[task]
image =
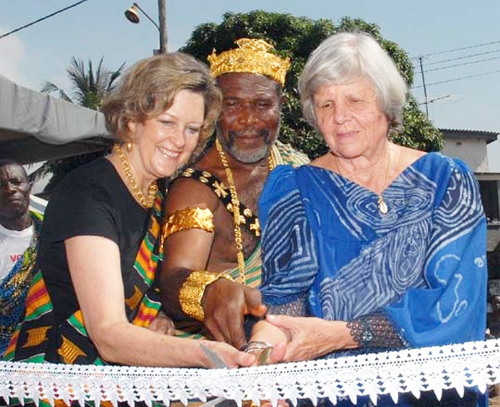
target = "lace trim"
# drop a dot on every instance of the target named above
(410, 370)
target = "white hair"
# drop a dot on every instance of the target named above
(345, 57)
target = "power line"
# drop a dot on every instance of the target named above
(41, 19)
(457, 65)
(457, 79)
(457, 49)
(464, 57)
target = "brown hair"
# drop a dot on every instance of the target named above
(149, 87)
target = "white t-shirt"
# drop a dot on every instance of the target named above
(13, 243)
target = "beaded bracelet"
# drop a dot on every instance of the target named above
(192, 290)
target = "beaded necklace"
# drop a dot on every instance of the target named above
(136, 191)
(235, 202)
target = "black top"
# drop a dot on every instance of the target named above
(91, 200)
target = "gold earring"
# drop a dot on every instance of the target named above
(129, 146)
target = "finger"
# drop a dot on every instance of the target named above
(281, 321)
(170, 329)
(254, 305)
(233, 358)
(278, 352)
(245, 359)
(214, 330)
(237, 334)
(158, 325)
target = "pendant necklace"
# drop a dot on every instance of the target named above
(235, 203)
(381, 204)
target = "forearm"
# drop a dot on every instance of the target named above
(127, 344)
(170, 287)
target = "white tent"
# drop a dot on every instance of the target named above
(36, 127)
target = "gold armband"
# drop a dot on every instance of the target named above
(192, 290)
(188, 218)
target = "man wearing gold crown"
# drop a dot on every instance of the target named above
(212, 260)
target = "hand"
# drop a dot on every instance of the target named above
(311, 337)
(162, 325)
(269, 356)
(230, 356)
(225, 304)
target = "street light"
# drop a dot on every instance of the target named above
(132, 15)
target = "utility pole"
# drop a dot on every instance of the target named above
(425, 89)
(162, 16)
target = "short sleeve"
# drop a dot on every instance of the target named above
(79, 210)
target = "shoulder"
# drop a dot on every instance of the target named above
(440, 166)
(322, 161)
(94, 186)
(96, 174)
(291, 155)
(193, 189)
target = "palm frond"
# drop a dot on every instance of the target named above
(50, 87)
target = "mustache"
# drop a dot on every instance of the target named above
(264, 133)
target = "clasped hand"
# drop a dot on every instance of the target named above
(225, 304)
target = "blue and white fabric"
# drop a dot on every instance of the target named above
(423, 264)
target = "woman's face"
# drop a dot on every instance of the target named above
(164, 143)
(350, 119)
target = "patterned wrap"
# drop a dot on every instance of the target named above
(422, 265)
(37, 339)
(14, 287)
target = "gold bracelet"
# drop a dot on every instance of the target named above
(192, 290)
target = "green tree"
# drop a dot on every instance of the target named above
(296, 37)
(89, 88)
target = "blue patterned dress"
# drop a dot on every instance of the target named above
(422, 265)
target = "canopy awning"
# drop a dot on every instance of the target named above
(36, 127)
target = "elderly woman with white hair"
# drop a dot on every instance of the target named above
(378, 245)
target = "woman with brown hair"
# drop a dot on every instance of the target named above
(94, 296)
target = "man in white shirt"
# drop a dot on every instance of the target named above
(18, 232)
(16, 226)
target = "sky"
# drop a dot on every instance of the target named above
(457, 41)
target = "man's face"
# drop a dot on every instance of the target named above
(250, 118)
(14, 192)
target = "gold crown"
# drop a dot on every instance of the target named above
(250, 57)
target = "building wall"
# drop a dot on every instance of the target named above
(473, 151)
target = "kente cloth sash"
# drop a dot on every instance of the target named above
(39, 338)
(15, 285)
(281, 154)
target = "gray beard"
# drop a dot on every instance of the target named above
(244, 157)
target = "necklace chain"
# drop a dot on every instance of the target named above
(381, 204)
(235, 202)
(136, 191)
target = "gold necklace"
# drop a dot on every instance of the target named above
(136, 191)
(381, 204)
(235, 202)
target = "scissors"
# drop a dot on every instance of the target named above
(219, 364)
